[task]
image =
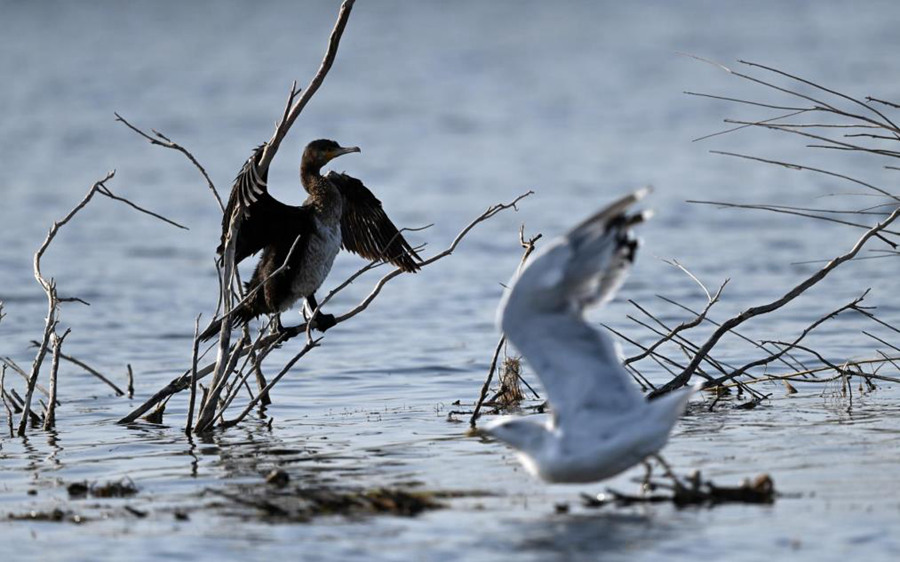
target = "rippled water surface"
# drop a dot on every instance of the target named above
(456, 106)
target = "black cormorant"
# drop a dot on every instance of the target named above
(339, 212)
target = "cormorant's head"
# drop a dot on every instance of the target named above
(320, 152)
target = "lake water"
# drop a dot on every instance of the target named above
(456, 106)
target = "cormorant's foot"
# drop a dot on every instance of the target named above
(322, 322)
(277, 326)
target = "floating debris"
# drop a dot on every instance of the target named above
(278, 478)
(156, 416)
(510, 394)
(55, 515)
(759, 490)
(301, 504)
(123, 488)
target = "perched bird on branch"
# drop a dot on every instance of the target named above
(600, 425)
(339, 212)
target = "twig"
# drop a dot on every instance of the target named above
(529, 246)
(487, 382)
(489, 213)
(130, 381)
(766, 360)
(106, 191)
(190, 415)
(209, 406)
(92, 371)
(21, 372)
(799, 376)
(288, 119)
(287, 367)
(875, 319)
(711, 300)
(683, 378)
(9, 412)
(876, 338)
(735, 332)
(796, 213)
(50, 416)
(165, 142)
(49, 287)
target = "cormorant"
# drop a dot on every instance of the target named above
(339, 212)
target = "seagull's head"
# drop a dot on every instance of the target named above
(320, 152)
(521, 434)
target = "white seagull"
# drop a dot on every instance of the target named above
(601, 424)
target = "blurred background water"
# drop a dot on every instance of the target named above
(456, 106)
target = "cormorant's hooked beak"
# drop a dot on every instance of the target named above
(344, 150)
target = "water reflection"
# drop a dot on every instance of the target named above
(606, 536)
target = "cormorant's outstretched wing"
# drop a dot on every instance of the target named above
(365, 228)
(262, 218)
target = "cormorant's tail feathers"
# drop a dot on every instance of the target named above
(240, 317)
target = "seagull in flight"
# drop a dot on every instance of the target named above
(601, 424)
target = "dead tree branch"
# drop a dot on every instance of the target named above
(50, 416)
(162, 140)
(290, 116)
(784, 349)
(683, 377)
(49, 287)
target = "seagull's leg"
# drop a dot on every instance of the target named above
(322, 321)
(646, 483)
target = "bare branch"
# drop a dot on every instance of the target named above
(165, 142)
(789, 211)
(794, 344)
(828, 90)
(50, 416)
(287, 367)
(92, 371)
(9, 412)
(106, 191)
(698, 319)
(792, 166)
(735, 321)
(195, 347)
(288, 120)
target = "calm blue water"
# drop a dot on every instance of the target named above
(456, 106)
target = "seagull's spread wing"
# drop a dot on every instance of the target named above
(261, 218)
(542, 315)
(366, 229)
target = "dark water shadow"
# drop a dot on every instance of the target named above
(602, 536)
